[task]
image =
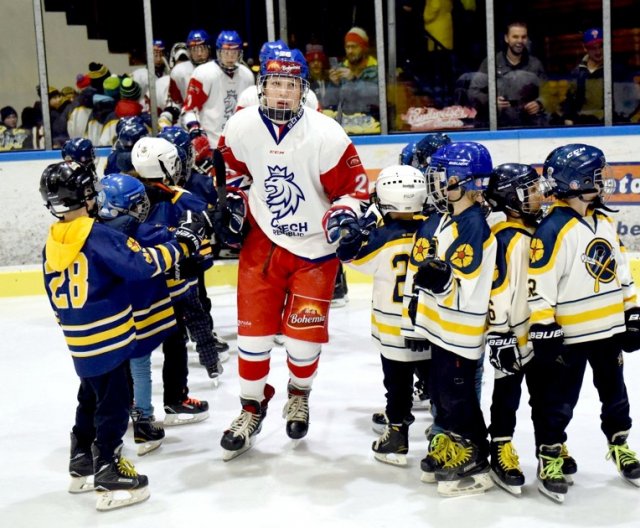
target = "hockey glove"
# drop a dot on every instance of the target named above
(195, 130)
(349, 246)
(340, 222)
(413, 308)
(630, 339)
(504, 354)
(548, 343)
(228, 222)
(433, 274)
(169, 115)
(203, 155)
(187, 268)
(191, 231)
(416, 345)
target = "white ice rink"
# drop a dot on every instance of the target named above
(329, 480)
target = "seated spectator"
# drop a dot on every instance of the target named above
(58, 104)
(584, 104)
(357, 79)
(12, 137)
(519, 76)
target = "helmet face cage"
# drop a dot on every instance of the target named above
(67, 186)
(283, 85)
(437, 187)
(228, 50)
(198, 44)
(518, 188)
(123, 195)
(400, 188)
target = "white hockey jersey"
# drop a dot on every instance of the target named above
(579, 275)
(249, 97)
(212, 97)
(455, 319)
(179, 80)
(298, 171)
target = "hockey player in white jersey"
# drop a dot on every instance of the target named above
(383, 251)
(199, 45)
(583, 309)
(304, 168)
(212, 94)
(447, 294)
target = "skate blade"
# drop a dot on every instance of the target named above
(513, 490)
(569, 479)
(394, 459)
(338, 303)
(148, 446)
(230, 455)
(555, 497)
(474, 485)
(81, 484)
(215, 382)
(633, 482)
(427, 477)
(421, 405)
(111, 500)
(184, 419)
(223, 357)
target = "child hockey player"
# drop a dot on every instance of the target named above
(383, 252)
(447, 295)
(583, 309)
(88, 269)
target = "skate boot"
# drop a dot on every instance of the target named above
(215, 370)
(117, 482)
(222, 348)
(340, 297)
(569, 465)
(505, 466)
(239, 437)
(551, 480)
(146, 434)
(379, 421)
(188, 411)
(421, 398)
(465, 471)
(393, 446)
(625, 460)
(440, 450)
(296, 412)
(80, 468)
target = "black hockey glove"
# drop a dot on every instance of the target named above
(413, 308)
(340, 223)
(191, 231)
(416, 345)
(350, 244)
(433, 274)
(548, 343)
(630, 339)
(187, 268)
(228, 222)
(504, 354)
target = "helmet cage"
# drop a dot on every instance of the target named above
(293, 91)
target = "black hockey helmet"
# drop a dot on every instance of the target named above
(516, 188)
(67, 186)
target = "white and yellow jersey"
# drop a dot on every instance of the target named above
(508, 306)
(455, 319)
(386, 257)
(579, 275)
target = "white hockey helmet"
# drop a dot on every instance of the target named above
(156, 159)
(400, 188)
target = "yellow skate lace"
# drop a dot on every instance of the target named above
(441, 448)
(126, 468)
(552, 470)
(459, 454)
(508, 457)
(564, 451)
(621, 455)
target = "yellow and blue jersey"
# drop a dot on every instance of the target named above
(579, 275)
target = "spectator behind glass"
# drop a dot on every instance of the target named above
(519, 77)
(327, 92)
(11, 136)
(584, 104)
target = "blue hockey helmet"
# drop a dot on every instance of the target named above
(79, 150)
(577, 169)
(228, 41)
(198, 37)
(463, 165)
(418, 153)
(122, 195)
(130, 132)
(269, 46)
(181, 139)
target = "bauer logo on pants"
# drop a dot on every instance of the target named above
(307, 312)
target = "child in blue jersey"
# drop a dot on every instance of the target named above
(383, 251)
(584, 308)
(448, 301)
(88, 270)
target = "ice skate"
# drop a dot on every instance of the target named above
(569, 465)
(421, 398)
(440, 450)
(625, 460)
(393, 446)
(117, 483)
(340, 297)
(240, 435)
(214, 372)
(222, 348)
(146, 434)
(296, 412)
(464, 471)
(80, 468)
(189, 411)
(551, 480)
(379, 421)
(505, 466)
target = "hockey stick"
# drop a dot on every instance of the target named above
(220, 179)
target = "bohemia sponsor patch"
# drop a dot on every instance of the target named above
(307, 312)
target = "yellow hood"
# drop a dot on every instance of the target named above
(66, 240)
